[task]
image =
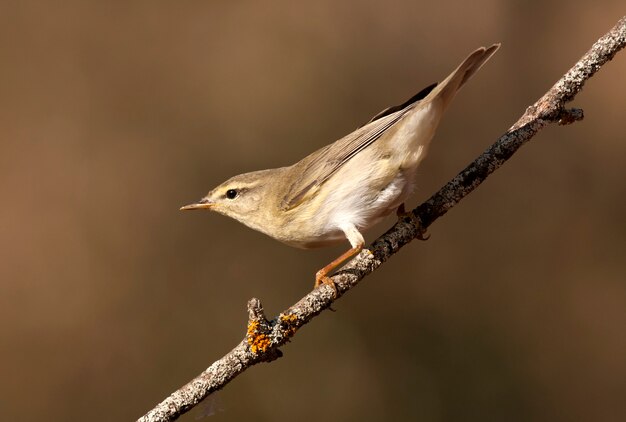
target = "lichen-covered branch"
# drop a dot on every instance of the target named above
(264, 337)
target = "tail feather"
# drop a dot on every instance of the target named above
(448, 88)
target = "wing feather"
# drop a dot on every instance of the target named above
(322, 164)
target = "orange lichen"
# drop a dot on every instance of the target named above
(288, 318)
(258, 342)
(253, 326)
(288, 322)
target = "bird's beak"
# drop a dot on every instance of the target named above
(203, 204)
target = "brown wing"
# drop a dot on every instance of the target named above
(318, 167)
(322, 164)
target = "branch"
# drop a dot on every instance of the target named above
(265, 337)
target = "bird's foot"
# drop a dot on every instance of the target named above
(322, 278)
(402, 213)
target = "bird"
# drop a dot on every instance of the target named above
(341, 190)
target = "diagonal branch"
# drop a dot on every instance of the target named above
(265, 337)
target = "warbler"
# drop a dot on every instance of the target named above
(344, 188)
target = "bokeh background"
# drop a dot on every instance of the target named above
(114, 114)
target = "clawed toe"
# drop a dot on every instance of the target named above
(323, 279)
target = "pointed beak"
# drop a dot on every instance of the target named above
(203, 204)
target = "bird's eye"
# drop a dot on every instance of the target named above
(231, 193)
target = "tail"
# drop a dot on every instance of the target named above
(448, 88)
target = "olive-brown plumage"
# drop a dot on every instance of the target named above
(344, 188)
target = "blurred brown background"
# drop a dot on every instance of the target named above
(114, 115)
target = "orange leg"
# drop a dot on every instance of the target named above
(321, 277)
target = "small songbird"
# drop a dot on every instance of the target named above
(344, 188)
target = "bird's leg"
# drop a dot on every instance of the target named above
(357, 242)
(321, 277)
(401, 212)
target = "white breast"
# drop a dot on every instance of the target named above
(375, 182)
(364, 207)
